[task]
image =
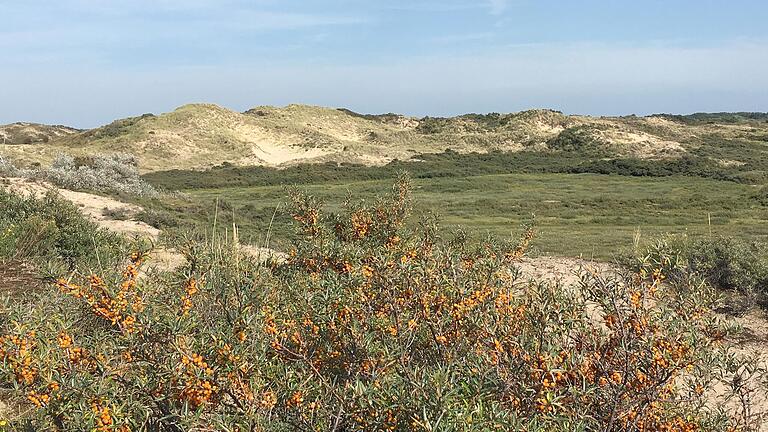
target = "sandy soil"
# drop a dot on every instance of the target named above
(753, 341)
(566, 271)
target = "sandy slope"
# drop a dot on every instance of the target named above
(32, 133)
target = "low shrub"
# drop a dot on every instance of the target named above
(7, 169)
(731, 263)
(761, 195)
(727, 263)
(115, 173)
(577, 139)
(50, 227)
(118, 213)
(158, 218)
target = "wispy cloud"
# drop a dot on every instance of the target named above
(433, 6)
(498, 7)
(458, 38)
(494, 7)
(104, 59)
(143, 14)
(91, 30)
(264, 20)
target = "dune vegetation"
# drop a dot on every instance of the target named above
(200, 136)
(269, 293)
(371, 321)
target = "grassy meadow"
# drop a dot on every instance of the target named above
(578, 212)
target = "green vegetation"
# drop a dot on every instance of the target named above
(51, 228)
(374, 320)
(452, 164)
(116, 128)
(577, 139)
(736, 265)
(388, 117)
(588, 207)
(372, 324)
(723, 117)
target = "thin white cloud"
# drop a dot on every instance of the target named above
(262, 20)
(498, 7)
(458, 38)
(141, 16)
(128, 7)
(100, 30)
(433, 6)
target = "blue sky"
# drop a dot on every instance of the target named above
(87, 62)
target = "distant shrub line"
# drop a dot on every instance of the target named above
(448, 164)
(723, 117)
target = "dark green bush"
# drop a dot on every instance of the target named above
(158, 218)
(731, 263)
(761, 195)
(726, 263)
(431, 125)
(723, 117)
(576, 139)
(452, 164)
(50, 227)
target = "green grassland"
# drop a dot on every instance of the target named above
(583, 207)
(577, 214)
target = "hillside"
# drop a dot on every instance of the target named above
(32, 133)
(199, 136)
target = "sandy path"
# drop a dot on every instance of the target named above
(565, 271)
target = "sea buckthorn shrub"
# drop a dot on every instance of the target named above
(368, 323)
